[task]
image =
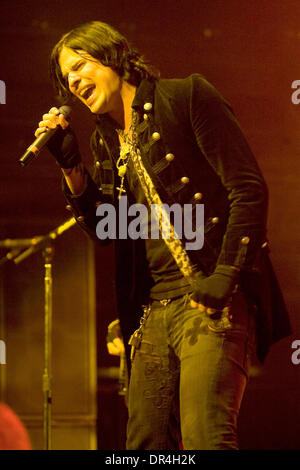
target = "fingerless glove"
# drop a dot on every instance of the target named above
(64, 147)
(215, 290)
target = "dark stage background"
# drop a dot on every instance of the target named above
(250, 50)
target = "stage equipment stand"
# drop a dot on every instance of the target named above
(44, 243)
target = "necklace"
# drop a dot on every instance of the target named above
(123, 160)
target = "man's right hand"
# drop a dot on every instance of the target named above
(51, 120)
(63, 144)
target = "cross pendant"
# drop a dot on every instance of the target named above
(121, 188)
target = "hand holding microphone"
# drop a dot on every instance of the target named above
(55, 132)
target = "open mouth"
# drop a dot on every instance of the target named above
(87, 93)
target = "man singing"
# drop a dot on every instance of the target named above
(205, 311)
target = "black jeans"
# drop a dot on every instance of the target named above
(193, 366)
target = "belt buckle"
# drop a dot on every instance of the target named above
(165, 302)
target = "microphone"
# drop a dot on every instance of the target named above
(41, 141)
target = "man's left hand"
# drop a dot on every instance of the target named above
(213, 292)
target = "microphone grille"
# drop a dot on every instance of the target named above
(65, 110)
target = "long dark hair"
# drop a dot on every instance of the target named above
(105, 44)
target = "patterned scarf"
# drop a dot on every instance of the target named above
(130, 150)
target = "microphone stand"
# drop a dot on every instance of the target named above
(44, 243)
(47, 376)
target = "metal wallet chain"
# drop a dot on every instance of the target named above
(136, 338)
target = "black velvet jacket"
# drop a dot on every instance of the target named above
(195, 152)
